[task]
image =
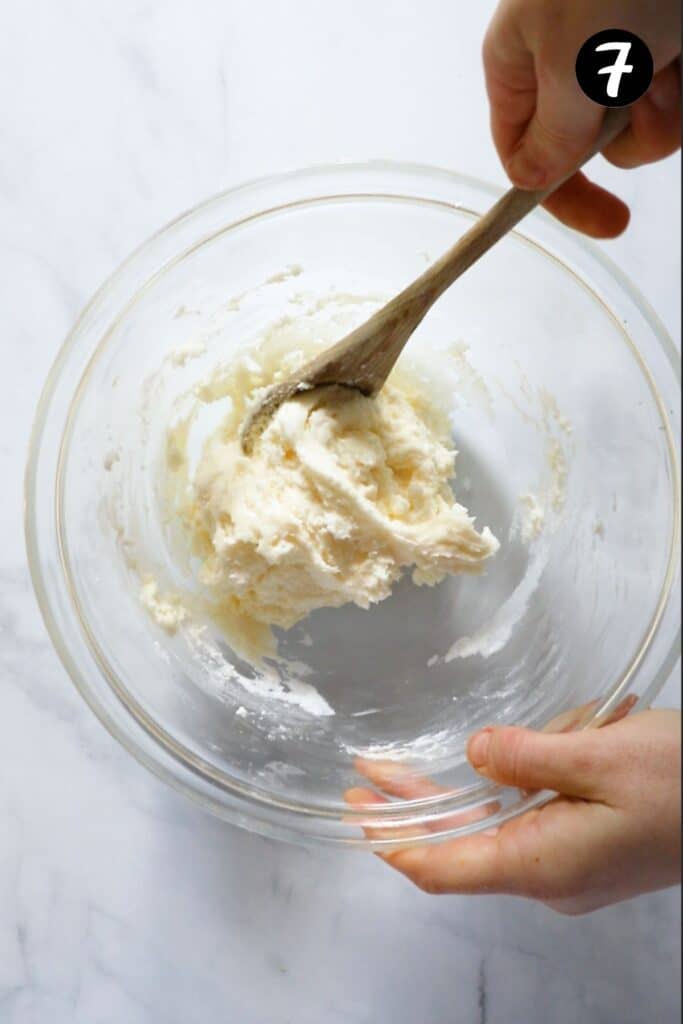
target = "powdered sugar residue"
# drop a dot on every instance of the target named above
(492, 637)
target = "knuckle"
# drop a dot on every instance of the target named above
(509, 103)
(622, 158)
(556, 891)
(584, 761)
(550, 139)
(509, 753)
(597, 751)
(429, 884)
(489, 46)
(550, 80)
(569, 908)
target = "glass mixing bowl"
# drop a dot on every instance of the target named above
(562, 387)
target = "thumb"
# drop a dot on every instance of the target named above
(568, 763)
(561, 130)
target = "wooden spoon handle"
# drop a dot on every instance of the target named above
(365, 357)
(501, 218)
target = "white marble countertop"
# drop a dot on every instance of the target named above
(120, 902)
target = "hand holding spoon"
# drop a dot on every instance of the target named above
(365, 357)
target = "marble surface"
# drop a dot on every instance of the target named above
(120, 902)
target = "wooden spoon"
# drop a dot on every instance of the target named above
(365, 357)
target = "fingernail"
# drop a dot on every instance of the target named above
(478, 747)
(523, 172)
(664, 93)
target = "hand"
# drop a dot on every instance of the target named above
(542, 122)
(613, 833)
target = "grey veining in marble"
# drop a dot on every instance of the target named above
(120, 902)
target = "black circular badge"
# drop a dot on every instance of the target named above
(614, 68)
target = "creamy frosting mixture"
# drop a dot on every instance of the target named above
(341, 495)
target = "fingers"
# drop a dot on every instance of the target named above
(360, 797)
(474, 864)
(585, 206)
(568, 763)
(546, 854)
(574, 718)
(655, 129)
(529, 856)
(541, 121)
(468, 865)
(401, 781)
(623, 708)
(510, 82)
(398, 779)
(561, 130)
